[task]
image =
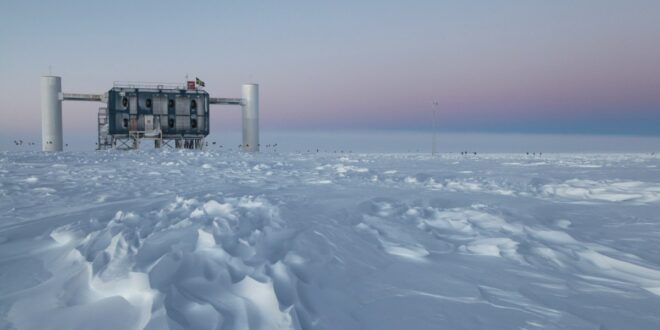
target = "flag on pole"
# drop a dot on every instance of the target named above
(199, 82)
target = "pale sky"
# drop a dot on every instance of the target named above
(585, 67)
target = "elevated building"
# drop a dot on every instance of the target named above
(171, 115)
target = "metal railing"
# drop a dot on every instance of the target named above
(143, 84)
(224, 100)
(82, 97)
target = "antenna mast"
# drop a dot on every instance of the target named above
(434, 141)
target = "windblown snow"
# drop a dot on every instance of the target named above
(205, 240)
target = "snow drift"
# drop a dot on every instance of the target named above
(204, 240)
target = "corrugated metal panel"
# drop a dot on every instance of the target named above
(179, 111)
(200, 123)
(159, 104)
(182, 106)
(132, 104)
(164, 125)
(202, 106)
(182, 123)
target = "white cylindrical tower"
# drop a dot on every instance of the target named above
(51, 113)
(250, 107)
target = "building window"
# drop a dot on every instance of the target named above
(170, 123)
(193, 123)
(125, 122)
(124, 102)
(170, 103)
(193, 104)
(148, 103)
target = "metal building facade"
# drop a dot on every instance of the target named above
(165, 114)
(173, 112)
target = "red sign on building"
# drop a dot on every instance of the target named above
(191, 84)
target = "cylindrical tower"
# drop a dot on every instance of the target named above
(51, 113)
(250, 107)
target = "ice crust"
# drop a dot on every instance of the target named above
(204, 240)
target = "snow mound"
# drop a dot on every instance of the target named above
(605, 191)
(166, 267)
(226, 240)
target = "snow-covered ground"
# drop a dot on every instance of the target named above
(205, 240)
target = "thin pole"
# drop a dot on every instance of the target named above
(434, 142)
